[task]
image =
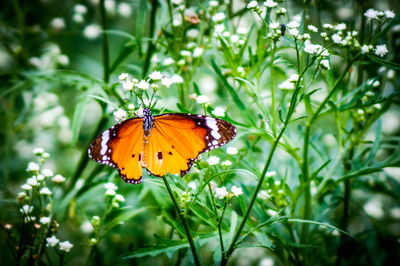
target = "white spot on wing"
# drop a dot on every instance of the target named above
(104, 139)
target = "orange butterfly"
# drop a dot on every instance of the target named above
(162, 143)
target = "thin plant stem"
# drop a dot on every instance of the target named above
(216, 216)
(184, 222)
(150, 46)
(272, 88)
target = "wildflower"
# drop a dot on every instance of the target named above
(371, 14)
(341, 26)
(231, 150)
(336, 38)
(29, 219)
(389, 14)
(281, 11)
(177, 20)
(327, 26)
(86, 227)
(325, 64)
(310, 48)
(272, 212)
(58, 179)
(185, 53)
(110, 186)
(364, 49)
(123, 76)
(293, 24)
(218, 111)
(124, 9)
(192, 33)
(197, 52)
(58, 23)
(221, 192)
(80, 9)
(144, 85)
(294, 32)
(119, 198)
(305, 36)
(218, 17)
(219, 28)
(110, 192)
(32, 181)
(66, 246)
(52, 241)
(26, 209)
(293, 78)
(63, 60)
(213, 160)
(192, 185)
(374, 208)
(381, 50)
(286, 85)
(92, 31)
(78, 18)
(270, 173)
(166, 82)
(45, 191)
(270, 3)
(176, 2)
(168, 61)
(177, 79)
(156, 75)
(34, 167)
(202, 99)
(38, 151)
(8, 226)
(47, 172)
(44, 220)
(120, 115)
(274, 25)
(127, 85)
(252, 4)
(213, 3)
(185, 196)
(226, 163)
(26, 187)
(312, 28)
(237, 191)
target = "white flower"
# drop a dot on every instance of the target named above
(202, 99)
(293, 32)
(144, 85)
(168, 61)
(374, 208)
(86, 227)
(286, 85)
(213, 3)
(389, 14)
(38, 151)
(231, 150)
(32, 167)
(219, 28)
(237, 191)
(312, 28)
(192, 33)
(119, 198)
(177, 20)
(32, 181)
(124, 9)
(45, 191)
(341, 26)
(192, 185)
(213, 160)
(110, 192)
(293, 24)
(270, 3)
(185, 53)
(120, 115)
(220, 192)
(47, 172)
(336, 38)
(252, 4)
(166, 82)
(364, 49)
(26, 209)
(327, 26)
(45, 220)
(63, 59)
(65, 246)
(371, 13)
(26, 187)
(218, 111)
(177, 79)
(325, 64)
(52, 241)
(293, 78)
(310, 48)
(92, 31)
(81, 9)
(176, 2)
(270, 173)
(21, 194)
(381, 50)
(218, 17)
(127, 85)
(156, 75)
(123, 76)
(58, 23)
(78, 18)
(197, 52)
(274, 25)
(58, 179)
(226, 163)
(110, 186)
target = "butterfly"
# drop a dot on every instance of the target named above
(167, 143)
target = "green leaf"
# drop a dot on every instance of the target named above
(385, 63)
(78, 118)
(234, 219)
(103, 99)
(128, 214)
(140, 23)
(123, 54)
(321, 224)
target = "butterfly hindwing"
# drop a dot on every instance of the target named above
(121, 147)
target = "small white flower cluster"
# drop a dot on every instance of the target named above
(63, 246)
(222, 192)
(372, 14)
(253, 5)
(79, 13)
(276, 31)
(236, 40)
(111, 192)
(289, 84)
(154, 80)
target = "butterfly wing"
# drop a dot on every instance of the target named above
(121, 147)
(176, 140)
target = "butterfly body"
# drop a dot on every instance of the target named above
(167, 143)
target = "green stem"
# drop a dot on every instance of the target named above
(150, 46)
(184, 222)
(216, 217)
(106, 56)
(273, 89)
